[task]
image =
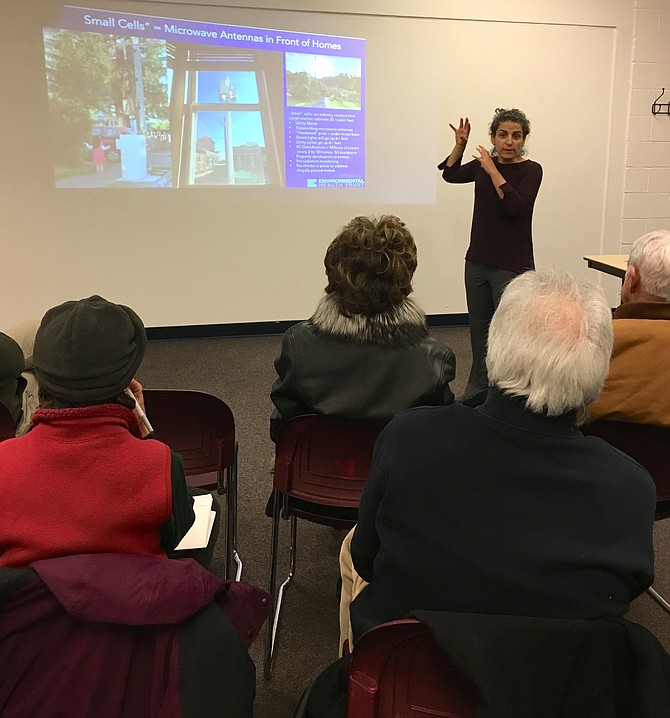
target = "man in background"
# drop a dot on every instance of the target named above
(637, 388)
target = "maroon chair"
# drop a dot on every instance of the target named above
(201, 428)
(321, 466)
(7, 425)
(649, 445)
(398, 670)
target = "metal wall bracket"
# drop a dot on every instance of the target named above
(660, 108)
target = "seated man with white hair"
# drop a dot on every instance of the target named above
(637, 387)
(507, 508)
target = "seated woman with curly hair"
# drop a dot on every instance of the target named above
(365, 353)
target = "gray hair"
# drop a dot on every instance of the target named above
(651, 255)
(550, 340)
(513, 115)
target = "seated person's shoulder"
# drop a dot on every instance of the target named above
(152, 447)
(299, 327)
(619, 470)
(605, 452)
(437, 347)
(428, 416)
(302, 332)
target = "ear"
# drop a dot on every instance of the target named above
(631, 284)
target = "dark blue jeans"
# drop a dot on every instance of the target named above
(484, 286)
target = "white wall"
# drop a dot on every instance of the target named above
(647, 189)
(567, 63)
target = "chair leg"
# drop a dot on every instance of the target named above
(236, 556)
(231, 527)
(227, 484)
(269, 640)
(658, 598)
(223, 487)
(273, 618)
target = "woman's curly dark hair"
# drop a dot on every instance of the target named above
(513, 115)
(370, 265)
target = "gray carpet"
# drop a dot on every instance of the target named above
(240, 371)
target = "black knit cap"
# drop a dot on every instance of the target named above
(88, 350)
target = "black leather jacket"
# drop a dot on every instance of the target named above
(360, 367)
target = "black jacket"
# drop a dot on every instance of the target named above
(530, 667)
(500, 510)
(363, 368)
(526, 667)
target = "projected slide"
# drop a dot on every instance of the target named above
(143, 101)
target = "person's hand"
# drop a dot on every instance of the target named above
(462, 132)
(485, 160)
(136, 389)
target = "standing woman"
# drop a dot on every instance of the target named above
(501, 244)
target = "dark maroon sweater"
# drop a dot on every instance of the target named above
(501, 228)
(126, 635)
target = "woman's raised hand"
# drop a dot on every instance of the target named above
(462, 132)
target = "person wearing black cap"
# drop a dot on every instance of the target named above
(82, 480)
(23, 334)
(11, 382)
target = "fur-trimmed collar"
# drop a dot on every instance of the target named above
(402, 326)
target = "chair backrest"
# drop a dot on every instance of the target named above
(197, 425)
(398, 670)
(323, 459)
(7, 425)
(649, 445)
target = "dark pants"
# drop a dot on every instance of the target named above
(484, 286)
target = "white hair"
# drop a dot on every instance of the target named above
(550, 340)
(651, 255)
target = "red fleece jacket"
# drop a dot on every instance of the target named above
(82, 481)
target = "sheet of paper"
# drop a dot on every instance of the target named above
(198, 534)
